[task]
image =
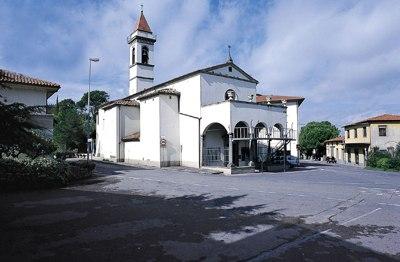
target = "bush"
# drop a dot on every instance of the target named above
(375, 156)
(27, 173)
(384, 163)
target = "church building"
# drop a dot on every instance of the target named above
(210, 118)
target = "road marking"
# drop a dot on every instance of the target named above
(387, 204)
(356, 218)
(233, 188)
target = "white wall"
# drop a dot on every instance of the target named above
(213, 89)
(150, 131)
(169, 129)
(25, 95)
(293, 122)
(189, 138)
(107, 133)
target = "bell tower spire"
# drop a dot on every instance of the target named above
(141, 50)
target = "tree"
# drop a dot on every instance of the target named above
(313, 135)
(97, 98)
(68, 127)
(19, 133)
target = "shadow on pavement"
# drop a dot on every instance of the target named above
(67, 225)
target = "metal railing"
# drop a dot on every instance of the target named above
(214, 156)
(262, 132)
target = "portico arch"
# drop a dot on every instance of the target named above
(277, 130)
(215, 145)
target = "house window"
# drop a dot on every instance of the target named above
(348, 133)
(230, 69)
(365, 131)
(133, 56)
(355, 133)
(145, 55)
(382, 130)
(348, 156)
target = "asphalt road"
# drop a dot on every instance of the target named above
(318, 213)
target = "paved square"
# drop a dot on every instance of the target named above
(320, 213)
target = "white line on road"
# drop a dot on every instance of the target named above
(356, 218)
(387, 204)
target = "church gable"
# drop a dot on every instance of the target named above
(232, 71)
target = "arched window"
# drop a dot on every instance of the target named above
(145, 55)
(230, 94)
(133, 56)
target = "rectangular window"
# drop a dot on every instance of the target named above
(365, 131)
(382, 130)
(348, 133)
(355, 133)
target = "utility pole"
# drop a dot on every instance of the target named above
(88, 109)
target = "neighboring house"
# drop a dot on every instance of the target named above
(335, 148)
(292, 103)
(206, 118)
(382, 132)
(19, 88)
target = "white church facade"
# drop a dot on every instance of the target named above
(208, 118)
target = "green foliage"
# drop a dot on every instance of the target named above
(313, 135)
(24, 172)
(68, 127)
(19, 134)
(384, 163)
(97, 98)
(384, 160)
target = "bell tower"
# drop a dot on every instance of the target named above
(141, 55)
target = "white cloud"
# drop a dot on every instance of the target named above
(343, 56)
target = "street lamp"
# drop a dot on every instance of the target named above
(88, 105)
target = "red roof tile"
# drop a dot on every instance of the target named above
(381, 118)
(278, 98)
(142, 24)
(17, 78)
(120, 102)
(385, 117)
(336, 139)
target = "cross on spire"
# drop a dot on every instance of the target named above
(141, 8)
(229, 54)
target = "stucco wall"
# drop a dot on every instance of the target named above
(169, 129)
(23, 94)
(107, 133)
(293, 122)
(390, 140)
(213, 89)
(189, 138)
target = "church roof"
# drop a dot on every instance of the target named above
(142, 24)
(119, 102)
(17, 78)
(278, 99)
(206, 70)
(166, 91)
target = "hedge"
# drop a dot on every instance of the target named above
(27, 173)
(384, 160)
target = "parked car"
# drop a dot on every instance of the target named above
(331, 159)
(292, 161)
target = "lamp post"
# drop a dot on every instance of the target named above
(88, 105)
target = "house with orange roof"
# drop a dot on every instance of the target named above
(380, 132)
(31, 91)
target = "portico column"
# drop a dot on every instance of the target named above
(201, 151)
(230, 150)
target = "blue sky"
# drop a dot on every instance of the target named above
(343, 56)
